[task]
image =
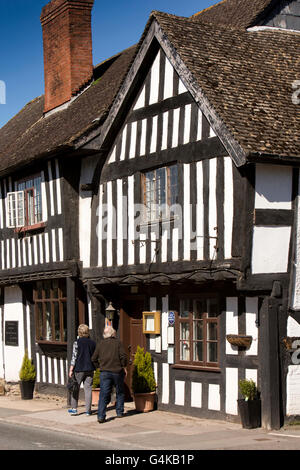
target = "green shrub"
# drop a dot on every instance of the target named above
(96, 379)
(248, 389)
(27, 372)
(143, 380)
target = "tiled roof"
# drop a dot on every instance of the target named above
(247, 78)
(29, 135)
(236, 13)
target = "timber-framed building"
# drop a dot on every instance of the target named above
(166, 181)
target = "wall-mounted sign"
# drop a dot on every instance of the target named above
(12, 333)
(151, 323)
(171, 318)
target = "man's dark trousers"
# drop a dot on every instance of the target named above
(107, 380)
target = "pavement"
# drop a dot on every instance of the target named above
(156, 430)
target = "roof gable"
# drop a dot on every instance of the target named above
(163, 116)
(242, 81)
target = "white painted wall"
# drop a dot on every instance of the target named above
(179, 392)
(13, 311)
(251, 327)
(85, 200)
(214, 399)
(196, 394)
(232, 327)
(273, 187)
(293, 390)
(270, 249)
(231, 390)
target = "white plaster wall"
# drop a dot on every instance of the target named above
(273, 187)
(231, 390)
(251, 328)
(214, 401)
(13, 311)
(165, 384)
(295, 300)
(231, 322)
(270, 249)
(251, 374)
(85, 199)
(293, 327)
(293, 390)
(196, 395)
(1, 346)
(179, 392)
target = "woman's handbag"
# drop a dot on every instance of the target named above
(73, 386)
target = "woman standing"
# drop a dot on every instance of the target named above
(82, 368)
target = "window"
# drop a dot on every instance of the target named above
(24, 206)
(197, 332)
(50, 303)
(160, 192)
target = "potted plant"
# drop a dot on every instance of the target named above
(27, 376)
(143, 381)
(96, 387)
(250, 405)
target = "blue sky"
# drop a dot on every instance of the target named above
(116, 25)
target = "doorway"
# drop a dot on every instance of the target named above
(131, 335)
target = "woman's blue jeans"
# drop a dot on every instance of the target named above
(107, 380)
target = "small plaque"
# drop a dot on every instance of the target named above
(171, 318)
(12, 333)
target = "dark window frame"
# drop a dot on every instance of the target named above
(179, 320)
(42, 301)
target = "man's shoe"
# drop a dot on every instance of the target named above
(120, 416)
(101, 420)
(72, 411)
(88, 413)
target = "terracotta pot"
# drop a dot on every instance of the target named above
(95, 396)
(144, 402)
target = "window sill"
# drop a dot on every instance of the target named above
(200, 368)
(30, 228)
(165, 220)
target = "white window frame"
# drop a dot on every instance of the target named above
(15, 216)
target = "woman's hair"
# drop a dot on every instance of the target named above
(109, 332)
(83, 331)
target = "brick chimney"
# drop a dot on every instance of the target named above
(67, 38)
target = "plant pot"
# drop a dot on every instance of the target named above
(144, 402)
(95, 396)
(250, 413)
(27, 389)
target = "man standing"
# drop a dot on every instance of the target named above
(110, 356)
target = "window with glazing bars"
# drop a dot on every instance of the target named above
(24, 206)
(50, 303)
(160, 188)
(197, 332)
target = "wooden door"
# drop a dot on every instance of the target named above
(131, 335)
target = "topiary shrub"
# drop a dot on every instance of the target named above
(27, 372)
(143, 380)
(96, 379)
(248, 389)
